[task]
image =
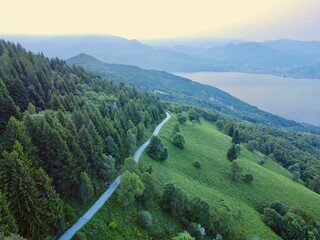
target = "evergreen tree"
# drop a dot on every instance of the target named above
(95, 161)
(113, 149)
(51, 213)
(7, 106)
(107, 170)
(232, 153)
(85, 187)
(236, 137)
(7, 221)
(15, 132)
(20, 191)
(58, 161)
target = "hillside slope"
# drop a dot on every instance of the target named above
(238, 205)
(209, 146)
(173, 88)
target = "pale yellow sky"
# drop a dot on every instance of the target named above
(151, 19)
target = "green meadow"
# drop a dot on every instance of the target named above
(206, 144)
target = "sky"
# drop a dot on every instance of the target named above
(165, 19)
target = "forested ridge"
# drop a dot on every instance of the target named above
(63, 133)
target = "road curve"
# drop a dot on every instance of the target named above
(104, 197)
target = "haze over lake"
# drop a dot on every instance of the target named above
(296, 99)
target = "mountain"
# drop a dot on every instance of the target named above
(253, 53)
(185, 57)
(303, 48)
(116, 50)
(174, 88)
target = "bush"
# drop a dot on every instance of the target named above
(279, 208)
(182, 119)
(112, 225)
(157, 150)
(145, 219)
(79, 236)
(248, 178)
(178, 140)
(197, 164)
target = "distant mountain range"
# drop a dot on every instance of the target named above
(280, 57)
(173, 88)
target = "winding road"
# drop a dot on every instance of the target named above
(104, 197)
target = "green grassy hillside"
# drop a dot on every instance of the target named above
(211, 183)
(206, 144)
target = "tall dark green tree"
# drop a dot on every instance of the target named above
(232, 153)
(7, 221)
(20, 190)
(113, 149)
(86, 190)
(7, 106)
(236, 137)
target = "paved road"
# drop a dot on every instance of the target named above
(104, 197)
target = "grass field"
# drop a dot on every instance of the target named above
(206, 144)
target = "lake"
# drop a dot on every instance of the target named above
(291, 98)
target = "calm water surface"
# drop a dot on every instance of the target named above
(296, 99)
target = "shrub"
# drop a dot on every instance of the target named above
(112, 225)
(145, 219)
(79, 236)
(178, 140)
(279, 208)
(248, 178)
(197, 164)
(182, 119)
(176, 129)
(157, 150)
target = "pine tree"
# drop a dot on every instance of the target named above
(236, 137)
(107, 170)
(85, 187)
(58, 161)
(51, 207)
(20, 190)
(113, 149)
(232, 153)
(15, 132)
(7, 221)
(7, 106)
